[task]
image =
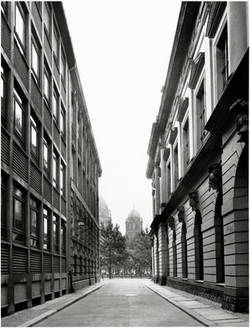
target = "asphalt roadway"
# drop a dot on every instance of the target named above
(121, 302)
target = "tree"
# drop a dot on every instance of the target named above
(140, 252)
(112, 247)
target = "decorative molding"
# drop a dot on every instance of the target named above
(240, 108)
(182, 108)
(171, 222)
(217, 10)
(193, 200)
(180, 213)
(215, 177)
(196, 69)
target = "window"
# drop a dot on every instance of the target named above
(201, 114)
(168, 180)
(63, 237)
(222, 61)
(18, 215)
(4, 205)
(184, 250)
(34, 223)
(63, 123)
(176, 166)
(55, 45)
(18, 115)
(174, 254)
(46, 85)
(56, 233)
(63, 67)
(46, 229)
(4, 8)
(4, 93)
(20, 26)
(35, 59)
(55, 169)
(46, 156)
(46, 18)
(63, 179)
(198, 246)
(55, 107)
(186, 145)
(34, 139)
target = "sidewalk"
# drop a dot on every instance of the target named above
(32, 316)
(207, 312)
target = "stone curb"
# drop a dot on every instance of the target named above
(205, 322)
(49, 313)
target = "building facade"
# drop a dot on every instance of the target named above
(133, 225)
(40, 84)
(198, 157)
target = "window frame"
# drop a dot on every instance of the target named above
(55, 111)
(63, 237)
(4, 205)
(63, 123)
(48, 32)
(4, 93)
(35, 70)
(20, 232)
(34, 125)
(46, 76)
(47, 144)
(62, 179)
(21, 43)
(46, 242)
(56, 38)
(56, 234)
(63, 67)
(55, 166)
(34, 238)
(18, 99)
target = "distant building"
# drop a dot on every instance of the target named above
(133, 224)
(104, 213)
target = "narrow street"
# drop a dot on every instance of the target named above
(121, 302)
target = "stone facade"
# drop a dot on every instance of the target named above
(198, 157)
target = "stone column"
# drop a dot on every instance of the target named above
(237, 32)
(162, 254)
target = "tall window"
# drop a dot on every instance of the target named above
(46, 229)
(56, 45)
(63, 67)
(35, 59)
(55, 170)
(63, 123)
(18, 215)
(184, 250)
(55, 106)
(198, 247)
(63, 237)
(47, 85)
(201, 114)
(47, 19)
(19, 115)
(4, 93)
(56, 233)
(186, 145)
(46, 156)
(34, 223)
(20, 26)
(169, 179)
(174, 254)
(63, 179)
(176, 166)
(34, 139)
(4, 205)
(222, 61)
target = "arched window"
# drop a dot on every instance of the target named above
(184, 250)
(174, 254)
(198, 246)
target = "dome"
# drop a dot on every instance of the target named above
(103, 208)
(134, 214)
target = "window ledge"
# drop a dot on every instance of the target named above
(199, 281)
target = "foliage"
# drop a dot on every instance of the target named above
(112, 247)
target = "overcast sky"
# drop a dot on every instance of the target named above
(122, 48)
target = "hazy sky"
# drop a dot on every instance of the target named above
(122, 48)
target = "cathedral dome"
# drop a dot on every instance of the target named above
(134, 214)
(104, 212)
